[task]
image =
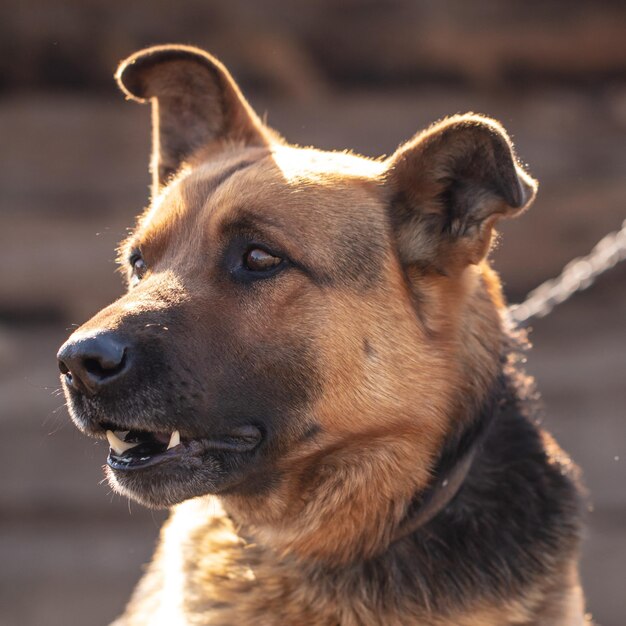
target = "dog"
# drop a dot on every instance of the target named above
(314, 368)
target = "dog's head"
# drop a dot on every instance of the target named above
(291, 314)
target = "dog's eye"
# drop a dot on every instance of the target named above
(138, 266)
(259, 260)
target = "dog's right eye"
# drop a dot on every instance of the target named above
(248, 262)
(139, 267)
(259, 260)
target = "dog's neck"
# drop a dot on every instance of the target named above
(455, 463)
(379, 522)
(513, 521)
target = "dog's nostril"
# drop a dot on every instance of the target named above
(103, 366)
(92, 366)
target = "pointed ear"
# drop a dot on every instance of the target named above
(195, 103)
(449, 185)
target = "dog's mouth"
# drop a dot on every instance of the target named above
(133, 448)
(139, 449)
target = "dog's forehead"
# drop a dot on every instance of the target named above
(283, 176)
(300, 189)
(330, 205)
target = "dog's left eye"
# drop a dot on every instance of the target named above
(139, 267)
(259, 260)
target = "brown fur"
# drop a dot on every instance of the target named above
(389, 328)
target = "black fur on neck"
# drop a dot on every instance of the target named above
(514, 522)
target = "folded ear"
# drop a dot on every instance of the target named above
(195, 102)
(449, 186)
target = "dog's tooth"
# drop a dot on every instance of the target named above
(174, 440)
(117, 445)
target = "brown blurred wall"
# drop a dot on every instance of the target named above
(345, 74)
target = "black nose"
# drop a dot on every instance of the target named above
(91, 363)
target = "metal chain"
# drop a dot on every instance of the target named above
(577, 275)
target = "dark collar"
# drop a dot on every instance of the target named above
(454, 464)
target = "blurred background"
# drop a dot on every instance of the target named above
(358, 74)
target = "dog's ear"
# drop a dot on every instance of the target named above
(195, 103)
(449, 185)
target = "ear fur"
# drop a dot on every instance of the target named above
(195, 102)
(449, 185)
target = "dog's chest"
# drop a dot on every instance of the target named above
(204, 574)
(208, 575)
